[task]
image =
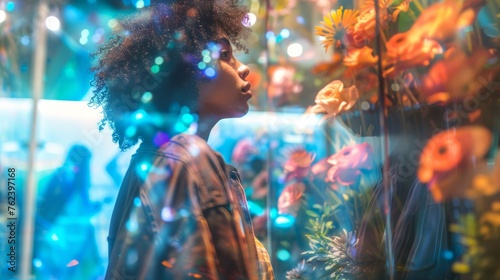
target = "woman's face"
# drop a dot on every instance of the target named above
(227, 93)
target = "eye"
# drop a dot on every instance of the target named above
(225, 54)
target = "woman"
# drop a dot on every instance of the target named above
(181, 211)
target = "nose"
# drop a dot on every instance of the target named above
(243, 71)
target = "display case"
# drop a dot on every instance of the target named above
(370, 150)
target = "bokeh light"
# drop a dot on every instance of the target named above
(202, 65)
(3, 16)
(25, 40)
(285, 33)
(85, 33)
(210, 72)
(139, 4)
(294, 50)
(159, 60)
(53, 23)
(155, 69)
(284, 221)
(252, 19)
(283, 255)
(10, 6)
(146, 97)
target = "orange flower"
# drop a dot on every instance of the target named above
(298, 164)
(405, 51)
(364, 29)
(450, 153)
(348, 163)
(337, 28)
(290, 199)
(360, 58)
(441, 21)
(455, 75)
(333, 98)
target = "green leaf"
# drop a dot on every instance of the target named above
(312, 214)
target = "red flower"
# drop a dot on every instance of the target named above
(298, 164)
(449, 154)
(290, 199)
(348, 163)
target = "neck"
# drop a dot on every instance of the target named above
(205, 125)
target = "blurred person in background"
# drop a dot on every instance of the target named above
(65, 245)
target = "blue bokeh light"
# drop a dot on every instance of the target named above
(210, 72)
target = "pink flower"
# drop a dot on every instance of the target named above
(290, 199)
(449, 154)
(348, 163)
(333, 98)
(298, 164)
(243, 150)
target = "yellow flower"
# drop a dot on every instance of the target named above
(337, 28)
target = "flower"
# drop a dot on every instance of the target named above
(243, 150)
(290, 199)
(364, 29)
(360, 58)
(402, 7)
(337, 28)
(455, 75)
(441, 21)
(282, 82)
(404, 51)
(297, 166)
(450, 153)
(348, 163)
(333, 98)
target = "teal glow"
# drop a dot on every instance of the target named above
(37, 263)
(202, 65)
(54, 237)
(139, 4)
(159, 60)
(207, 59)
(137, 202)
(284, 221)
(205, 53)
(144, 167)
(283, 255)
(285, 33)
(146, 97)
(85, 33)
(179, 127)
(139, 115)
(155, 69)
(84, 40)
(255, 208)
(187, 118)
(131, 131)
(10, 6)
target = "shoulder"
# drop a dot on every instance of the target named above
(185, 147)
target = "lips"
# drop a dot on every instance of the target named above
(246, 89)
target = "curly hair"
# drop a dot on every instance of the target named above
(127, 80)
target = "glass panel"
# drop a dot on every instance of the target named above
(370, 150)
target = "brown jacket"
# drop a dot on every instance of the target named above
(181, 213)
